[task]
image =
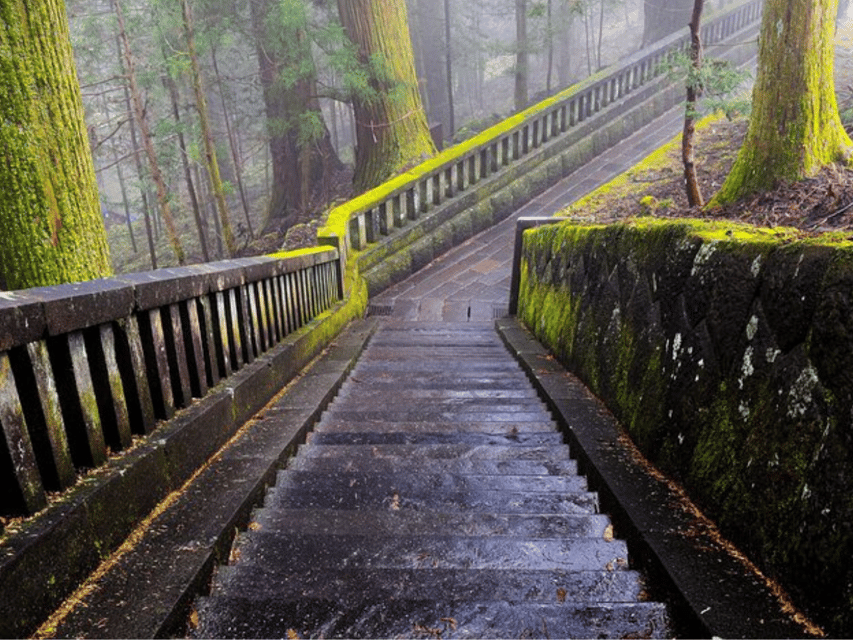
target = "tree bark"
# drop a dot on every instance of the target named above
(172, 87)
(206, 133)
(448, 73)
(521, 55)
(142, 122)
(694, 91)
(283, 47)
(391, 126)
(232, 144)
(51, 227)
(795, 128)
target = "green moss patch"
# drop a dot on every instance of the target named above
(727, 353)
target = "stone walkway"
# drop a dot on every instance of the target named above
(435, 498)
(471, 282)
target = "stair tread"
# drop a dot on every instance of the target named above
(447, 551)
(403, 437)
(382, 484)
(358, 585)
(436, 451)
(238, 617)
(410, 522)
(329, 424)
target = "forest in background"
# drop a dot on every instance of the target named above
(203, 73)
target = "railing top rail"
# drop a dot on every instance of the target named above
(340, 215)
(32, 314)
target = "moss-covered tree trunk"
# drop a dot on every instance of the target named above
(303, 158)
(795, 128)
(391, 126)
(51, 228)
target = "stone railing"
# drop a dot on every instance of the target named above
(85, 368)
(387, 213)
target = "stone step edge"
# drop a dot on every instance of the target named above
(712, 593)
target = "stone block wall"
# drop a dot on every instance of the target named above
(727, 354)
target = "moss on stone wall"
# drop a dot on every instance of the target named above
(727, 353)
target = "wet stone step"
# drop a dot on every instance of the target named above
(373, 486)
(406, 398)
(430, 552)
(441, 414)
(407, 438)
(239, 618)
(442, 380)
(415, 454)
(426, 364)
(350, 389)
(402, 404)
(458, 466)
(354, 586)
(471, 502)
(329, 424)
(322, 521)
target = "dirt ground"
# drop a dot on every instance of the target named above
(655, 187)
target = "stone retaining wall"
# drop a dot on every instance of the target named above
(727, 354)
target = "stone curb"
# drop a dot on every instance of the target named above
(149, 589)
(711, 593)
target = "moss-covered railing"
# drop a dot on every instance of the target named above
(451, 183)
(727, 354)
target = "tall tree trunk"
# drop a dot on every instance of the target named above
(586, 19)
(232, 143)
(448, 65)
(280, 47)
(521, 55)
(142, 122)
(206, 133)
(391, 126)
(549, 35)
(137, 159)
(600, 32)
(172, 87)
(795, 128)
(121, 182)
(51, 227)
(694, 91)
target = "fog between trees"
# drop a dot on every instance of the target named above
(277, 80)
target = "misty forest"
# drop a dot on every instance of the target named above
(221, 129)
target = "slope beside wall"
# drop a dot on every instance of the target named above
(727, 353)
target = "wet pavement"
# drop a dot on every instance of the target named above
(471, 282)
(435, 498)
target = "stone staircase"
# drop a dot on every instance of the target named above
(435, 498)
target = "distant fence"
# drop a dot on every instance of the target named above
(395, 204)
(86, 367)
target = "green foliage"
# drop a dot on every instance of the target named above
(717, 81)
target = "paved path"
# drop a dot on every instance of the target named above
(471, 281)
